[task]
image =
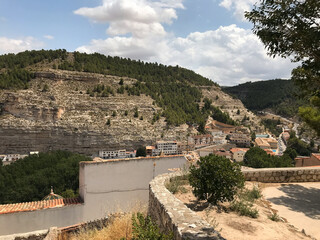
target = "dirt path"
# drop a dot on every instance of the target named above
(235, 227)
(299, 203)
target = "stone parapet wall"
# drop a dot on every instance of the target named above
(283, 175)
(173, 216)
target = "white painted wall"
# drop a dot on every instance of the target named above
(114, 186)
(105, 187)
(22, 222)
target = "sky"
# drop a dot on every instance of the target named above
(211, 37)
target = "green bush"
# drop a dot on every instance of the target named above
(244, 208)
(175, 184)
(251, 195)
(215, 179)
(274, 217)
(145, 229)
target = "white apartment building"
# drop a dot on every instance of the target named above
(165, 147)
(10, 158)
(107, 154)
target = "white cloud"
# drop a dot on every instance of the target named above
(50, 37)
(137, 17)
(228, 55)
(238, 7)
(10, 45)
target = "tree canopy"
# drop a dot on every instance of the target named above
(258, 158)
(279, 95)
(31, 178)
(291, 28)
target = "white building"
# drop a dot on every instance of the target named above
(108, 154)
(10, 158)
(167, 147)
(238, 154)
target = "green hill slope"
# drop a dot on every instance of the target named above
(176, 90)
(278, 95)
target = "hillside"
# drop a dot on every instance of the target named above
(54, 100)
(279, 96)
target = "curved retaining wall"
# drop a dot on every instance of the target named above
(173, 216)
(283, 175)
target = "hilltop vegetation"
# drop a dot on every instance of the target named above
(31, 178)
(174, 89)
(278, 95)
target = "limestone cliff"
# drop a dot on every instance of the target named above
(56, 112)
(64, 116)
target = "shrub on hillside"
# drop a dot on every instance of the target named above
(215, 179)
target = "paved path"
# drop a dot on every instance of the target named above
(299, 203)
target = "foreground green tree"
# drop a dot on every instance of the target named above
(291, 28)
(215, 179)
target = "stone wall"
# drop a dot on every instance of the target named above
(283, 175)
(173, 216)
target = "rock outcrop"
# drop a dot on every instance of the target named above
(56, 112)
(64, 116)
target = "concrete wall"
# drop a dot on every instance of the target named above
(283, 175)
(173, 216)
(21, 222)
(118, 185)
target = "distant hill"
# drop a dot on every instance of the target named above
(172, 88)
(278, 95)
(53, 99)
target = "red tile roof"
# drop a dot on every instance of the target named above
(233, 150)
(316, 155)
(37, 205)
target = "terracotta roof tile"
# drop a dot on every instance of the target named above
(316, 155)
(37, 205)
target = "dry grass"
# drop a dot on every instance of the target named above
(121, 227)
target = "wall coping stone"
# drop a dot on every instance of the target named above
(173, 215)
(282, 175)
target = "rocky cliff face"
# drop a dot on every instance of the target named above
(231, 106)
(57, 113)
(64, 116)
